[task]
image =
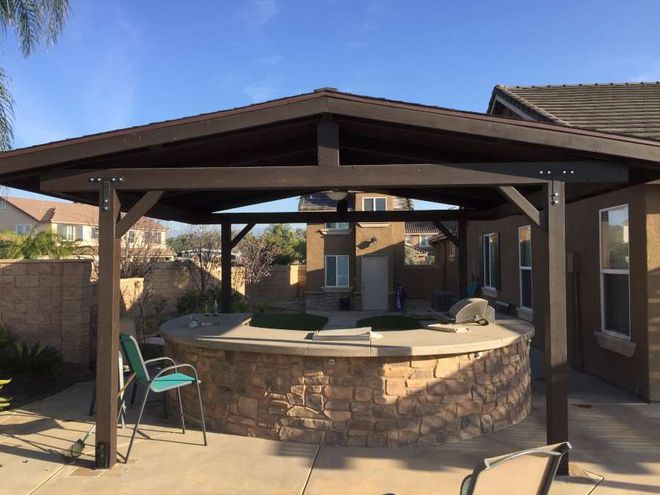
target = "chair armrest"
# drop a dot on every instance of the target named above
(175, 368)
(155, 360)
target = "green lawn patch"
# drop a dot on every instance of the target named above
(390, 322)
(289, 321)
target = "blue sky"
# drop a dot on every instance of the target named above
(125, 62)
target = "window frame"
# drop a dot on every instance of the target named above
(66, 227)
(348, 271)
(526, 268)
(613, 271)
(424, 240)
(374, 199)
(26, 227)
(346, 226)
(490, 264)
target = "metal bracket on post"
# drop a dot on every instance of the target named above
(554, 194)
(106, 188)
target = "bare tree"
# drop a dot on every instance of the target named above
(201, 246)
(138, 253)
(256, 255)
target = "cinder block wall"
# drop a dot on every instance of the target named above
(285, 283)
(48, 301)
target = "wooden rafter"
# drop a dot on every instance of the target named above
(239, 237)
(520, 202)
(453, 238)
(139, 209)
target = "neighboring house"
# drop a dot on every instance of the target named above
(419, 235)
(78, 222)
(354, 265)
(613, 240)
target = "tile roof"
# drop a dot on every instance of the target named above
(421, 228)
(321, 202)
(70, 213)
(631, 109)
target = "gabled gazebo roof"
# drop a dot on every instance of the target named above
(283, 132)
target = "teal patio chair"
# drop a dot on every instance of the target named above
(168, 378)
(527, 472)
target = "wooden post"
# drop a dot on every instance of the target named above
(549, 265)
(225, 263)
(107, 346)
(462, 259)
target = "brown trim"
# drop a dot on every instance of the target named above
(521, 203)
(327, 139)
(239, 237)
(225, 267)
(107, 347)
(335, 216)
(139, 209)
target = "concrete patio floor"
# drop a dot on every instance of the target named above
(614, 436)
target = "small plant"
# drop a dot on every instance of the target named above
(34, 360)
(195, 301)
(4, 401)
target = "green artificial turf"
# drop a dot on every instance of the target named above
(289, 321)
(390, 322)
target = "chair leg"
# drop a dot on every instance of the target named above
(92, 405)
(137, 423)
(134, 393)
(183, 421)
(201, 413)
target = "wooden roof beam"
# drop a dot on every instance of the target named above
(347, 176)
(335, 216)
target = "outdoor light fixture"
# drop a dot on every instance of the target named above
(337, 195)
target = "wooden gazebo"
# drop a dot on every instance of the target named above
(191, 169)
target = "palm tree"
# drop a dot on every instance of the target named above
(35, 22)
(39, 244)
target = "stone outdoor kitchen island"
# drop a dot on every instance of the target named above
(411, 387)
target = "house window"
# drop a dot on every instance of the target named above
(374, 204)
(23, 228)
(151, 237)
(95, 233)
(491, 260)
(614, 274)
(424, 241)
(525, 265)
(132, 236)
(67, 232)
(336, 270)
(408, 240)
(337, 226)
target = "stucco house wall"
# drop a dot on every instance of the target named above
(633, 364)
(11, 216)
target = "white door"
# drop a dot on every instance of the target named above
(375, 275)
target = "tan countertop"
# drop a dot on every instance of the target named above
(231, 332)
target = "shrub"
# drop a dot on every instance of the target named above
(35, 360)
(195, 301)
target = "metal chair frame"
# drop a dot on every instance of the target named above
(150, 381)
(555, 451)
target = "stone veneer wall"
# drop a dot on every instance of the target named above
(327, 301)
(377, 401)
(48, 301)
